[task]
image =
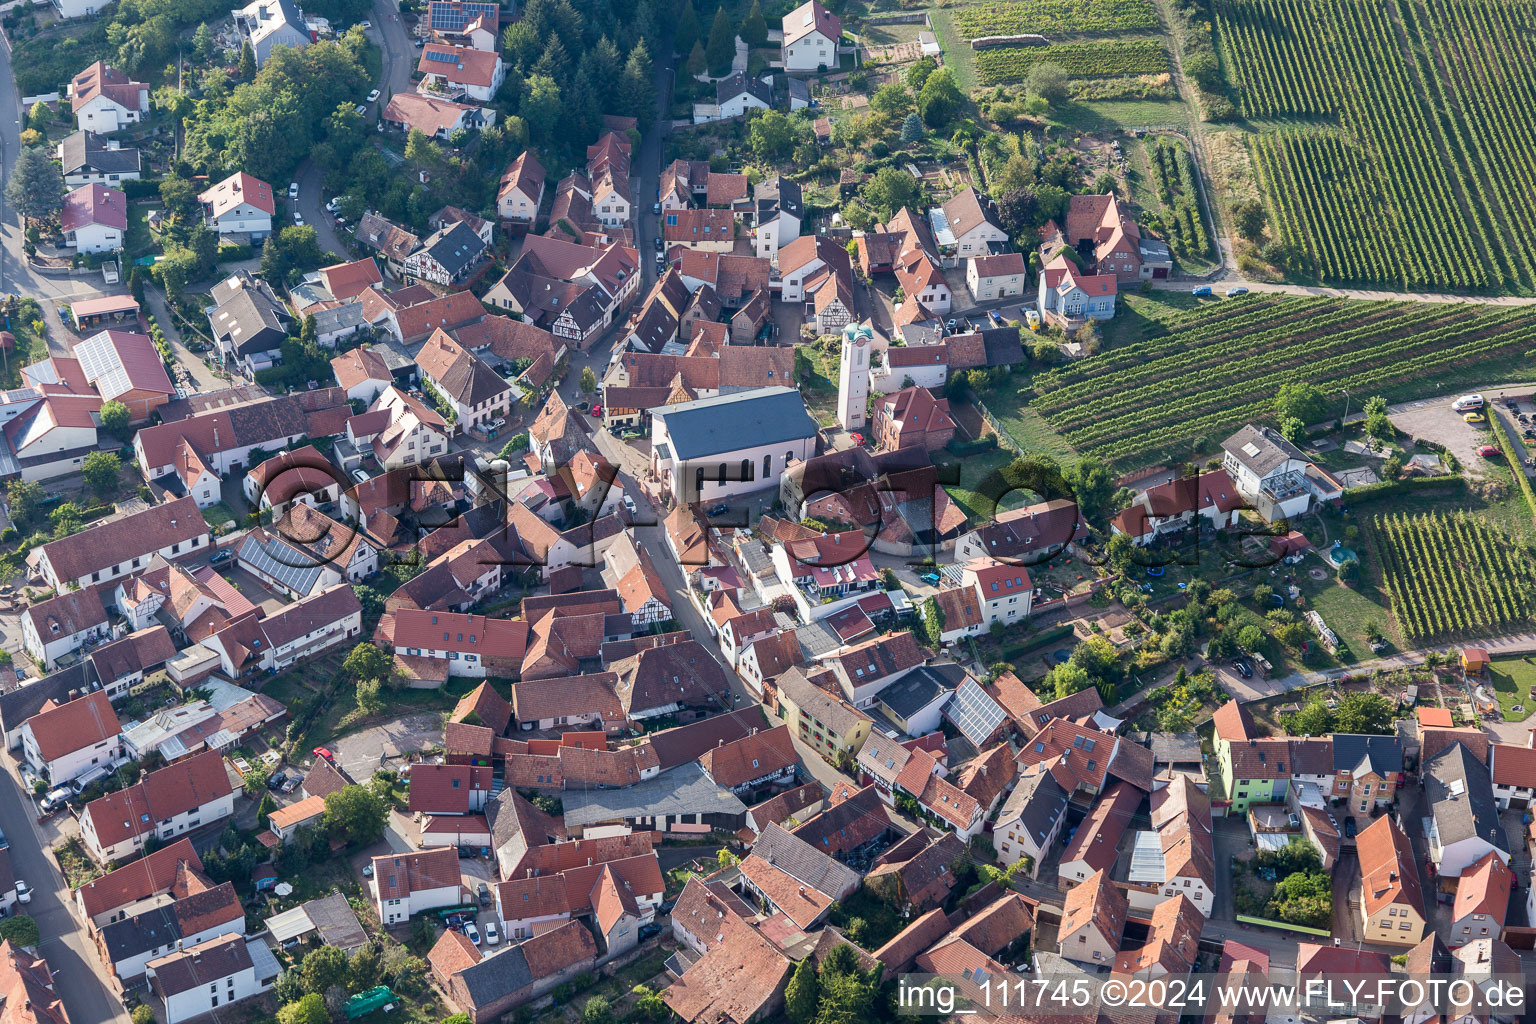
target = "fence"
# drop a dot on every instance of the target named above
(918, 18)
(1003, 437)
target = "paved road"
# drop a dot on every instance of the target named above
(69, 953)
(1220, 282)
(399, 60)
(202, 377)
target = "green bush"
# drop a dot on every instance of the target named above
(141, 188)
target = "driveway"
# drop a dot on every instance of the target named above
(1435, 420)
(203, 379)
(70, 954)
(363, 753)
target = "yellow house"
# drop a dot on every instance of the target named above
(821, 719)
(1392, 902)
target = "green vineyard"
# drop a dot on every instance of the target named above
(1079, 60)
(1219, 365)
(1011, 17)
(1454, 575)
(1173, 170)
(1416, 168)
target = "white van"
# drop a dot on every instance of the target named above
(80, 783)
(54, 799)
(1467, 403)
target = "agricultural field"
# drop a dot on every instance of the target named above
(1198, 375)
(1396, 141)
(1012, 17)
(1453, 575)
(1078, 60)
(1177, 181)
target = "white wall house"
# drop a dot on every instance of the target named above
(105, 100)
(198, 979)
(1068, 296)
(66, 623)
(166, 803)
(1005, 591)
(405, 884)
(995, 277)
(811, 34)
(1030, 820)
(240, 204)
(63, 742)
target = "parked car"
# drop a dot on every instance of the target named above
(1243, 669)
(54, 799)
(996, 317)
(655, 207)
(1233, 293)
(597, 411)
(649, 931)
(373, 96)
(1202, 292)
(950, 325)
(221, 557)
(930, 578)
(275, 780)
(472, 931)
(485, 894)
(361, 109)
(1467, 403)
(366, 25)
(325, 752)
(629, 504)
(1475, 418)
(660, 245)
(1032, 319)
(1349, 827)
(23, 892)
(492, 936)
(661, 259)
(1487, 451)
(857, 438)
(368, 870)
(293, 190)
(292, 784)
(298, 218)
(718, 510)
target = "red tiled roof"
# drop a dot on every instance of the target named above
(156, 872)
(165, 793)
(60, 729)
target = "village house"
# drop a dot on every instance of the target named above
(1273, 475)
(94, 219)
(434, 117)
(461, 644)
(86, 157)
(406, 884)
(521, 190)
(65, 741)
(1030, 820)
(995, 277)
(459, 73)
(249, 323)
(266, 24)
(105, 100)
(124, 366)
(61, 625)
(779, 208)
(1093, 921)
(206, 912)
(1070, 297)
(477, 395)
(239, 205)
(206, 975)
(973, 221)
(1211, 499)
(165, 803)
(1392, 903)
(446, 257)
(123, 546)
(1099, 225)
(811, 37)
(1482, 900)
(913, 416)
(1463, 811)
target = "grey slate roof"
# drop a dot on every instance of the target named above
(1272, 450)
(146, 930)
(727, 423)
(85, 150)
(336, 921)
(346, 317)
(682, 790)
(778, 194)
(913, 692)
(249, 315)
(454, 247)
(497, 976)
(1038, 801)
(794, 856)
(24, 702)
(734, 85)
(1459, 791)
(1002, 346)
(1363, 755)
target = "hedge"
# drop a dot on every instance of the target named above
(972, 447)
(230, 253)
(1388, 488)
(1516, 460)
(141, 188)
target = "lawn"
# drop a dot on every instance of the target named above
(974, 470)
(1027, 427)
(1347, 610)
(140, 239)
(1512, 681)
(218, 515)
(1111, 115)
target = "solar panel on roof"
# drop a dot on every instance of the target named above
(442, 58)
(452, 17)
(975, 713)
(294, 569)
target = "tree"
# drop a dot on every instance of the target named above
(754, 30)
(355, 816)
(541, 108)
(933, 622)
(1049, 82)
(420, 149)
(890, 190)
(1363, 712)
(369, 699)
(366, 661)
(940, 99)
(1069, 679)
(36, 188)
(203, 42)
(1293, 429)
(1314, 719)
(588, 380)
(696, 62)
(1302, 400)
(19, 930)
(102, 470)
(310, 1009)
(687, 33)
(637, 89)
(142, 1014)
(264, 807)
(114, 419)
(721, 48)
(1378, 426)
(596, 1011)
(1096, 656)
(1250, 638)
(1248, 217)
(912, 129)
(802, 995)
(39, 116)
(457, 1018)
(323, 968)
(247, 61)
(649, 1005)
(23, 496)
(771, 135)
(1093, 485)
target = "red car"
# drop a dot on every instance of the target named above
(597, 412)
(325, 753)
(1487, 451)
(857, 439)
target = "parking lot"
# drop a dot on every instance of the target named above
(1433, 419)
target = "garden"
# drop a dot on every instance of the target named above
(1078, 60)
(1011, 17)
(1454, 575)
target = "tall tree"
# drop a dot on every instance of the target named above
(803, 993)
(247, 60)
(687, 30)
(541, 108)
(554, 62)
(721, 49)
(638, 92)
(520, 44)
(940, 99)
(203, 42)
(754, 30)
(36, 188)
